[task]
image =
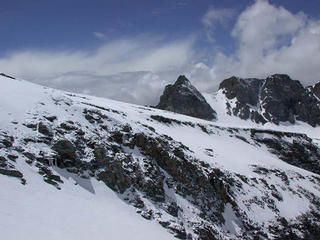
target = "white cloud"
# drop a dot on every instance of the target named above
(215, 17)
(271, 40)
(121, 55)
(96, 71)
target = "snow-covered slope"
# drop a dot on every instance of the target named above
(78, 167)
(38, 211)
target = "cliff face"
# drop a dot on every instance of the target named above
(275, 99)
(182, 97)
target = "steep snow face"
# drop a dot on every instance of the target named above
(39, 211)
(77, 166)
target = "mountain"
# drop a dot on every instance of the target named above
(275, 99)
(182, 97)
(74, 166)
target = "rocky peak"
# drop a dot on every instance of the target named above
(245, 90)
(275, 99)
(281, 97)
(182, 97)
(182, 80)
(282, 84)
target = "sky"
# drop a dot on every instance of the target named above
(129, 50)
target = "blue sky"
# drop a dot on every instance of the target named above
(84, 46)
(65, 24)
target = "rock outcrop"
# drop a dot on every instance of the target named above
(275, 99)
(182, 97)
(315, 89)
(5, 75)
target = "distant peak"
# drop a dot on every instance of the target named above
(182, 80)
(182, 97)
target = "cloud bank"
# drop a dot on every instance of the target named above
(269, 39)
(122, 69)
(272, 40)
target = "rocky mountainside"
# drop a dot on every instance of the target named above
(182, 97)
(77, 167)
(275, 99)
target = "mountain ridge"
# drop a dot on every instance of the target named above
(275, 99)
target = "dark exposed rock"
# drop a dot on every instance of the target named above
(49, 177)
(276, 99)
(206, 234)
(116, 136)
(122, 173)
(173, 209)
(5, 75)
(184, 98)
(32, 126)
(8, 169)
(3, 162)
(315, 89)
(66, 153)
(164, 119)
(50, 118)
(6, 141)
(245, 90)
(301, 152)
(11, 173)
(68, 126)
(99, 153)
(282, 98)
(29, 155)
(12, 157)
(44, 129)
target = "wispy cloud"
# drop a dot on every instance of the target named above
(215, 17)
(99, 35)
(94, 71)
